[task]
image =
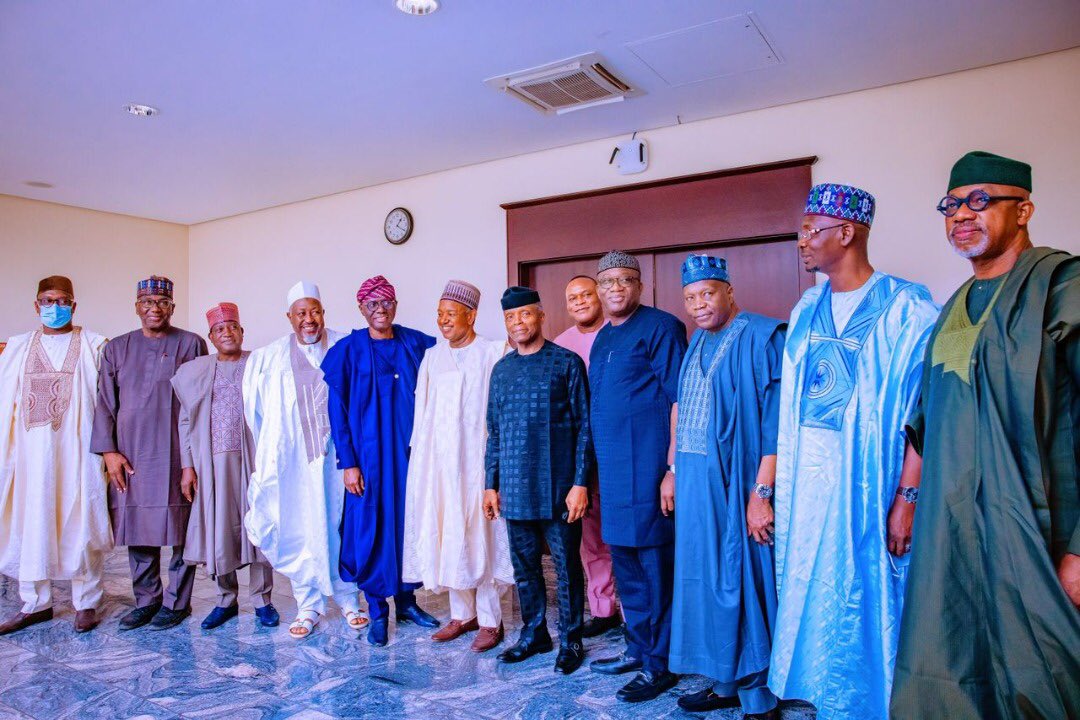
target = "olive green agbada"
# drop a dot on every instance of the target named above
(988, 631)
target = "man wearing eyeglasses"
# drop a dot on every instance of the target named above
(135, 430)
(846, 483)
(634, 375)
(372, 377)
(295, 494)
(991, 623)
(54, 522)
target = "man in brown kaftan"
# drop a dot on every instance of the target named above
(135, 430)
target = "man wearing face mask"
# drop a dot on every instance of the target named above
(135, 430)
(448, 543)
(634, 376)
(583, 306)
(295, 495)
(846, 483)
(372, 379)
(725, 460)
(217, 456)
(992, 616)
(538, 464)
(54, 522)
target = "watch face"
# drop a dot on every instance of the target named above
(398, 226)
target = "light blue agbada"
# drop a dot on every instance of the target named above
(844, 399)
(725, 596)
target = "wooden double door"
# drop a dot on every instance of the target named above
(766, 275)
(749, 216)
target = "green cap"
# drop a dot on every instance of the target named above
(978, 168)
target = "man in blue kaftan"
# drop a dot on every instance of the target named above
(634, 376)
(372, 379)
(724, 603)
(846, 482)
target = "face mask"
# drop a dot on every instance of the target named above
(55, 317)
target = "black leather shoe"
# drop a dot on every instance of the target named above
(378, 633)
(139, 617)
(570, 658)
(616, 665)
(647, 685)
(413, 613)
(524, 651)
(595, 626)
(773, 714)
(706, 701)
(166, 618)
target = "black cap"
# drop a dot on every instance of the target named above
(518, 296)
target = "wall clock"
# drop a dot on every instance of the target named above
(398, 226)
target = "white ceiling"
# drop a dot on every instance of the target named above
(265, 102)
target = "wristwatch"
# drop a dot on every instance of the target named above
(763, 491)
(671, 469)
(910, 494)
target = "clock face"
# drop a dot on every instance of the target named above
(398, 226)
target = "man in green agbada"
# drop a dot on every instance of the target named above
(991, 626)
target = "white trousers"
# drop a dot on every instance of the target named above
(86, 592)
(484, 603)
(309, 599)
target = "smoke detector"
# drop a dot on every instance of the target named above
(564, 86)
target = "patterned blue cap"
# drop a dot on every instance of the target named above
(155, 285)
(842, 202)
(704, 267)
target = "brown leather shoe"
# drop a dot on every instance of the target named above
(85, 621)
(455, 629)
(487, 638)
(22, 620)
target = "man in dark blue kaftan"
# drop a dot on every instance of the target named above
(372, 379)
(724, 605)
(634, 381)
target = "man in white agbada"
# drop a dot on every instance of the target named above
(54, 518)
(296, 492)
(449, 544)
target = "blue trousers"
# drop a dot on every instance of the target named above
(379, 608)
(526, 549)
(754, 694)
(644, 577)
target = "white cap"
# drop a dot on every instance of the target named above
(301, 290)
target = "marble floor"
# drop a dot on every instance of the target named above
(242, 670)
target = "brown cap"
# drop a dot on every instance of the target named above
(56, 282)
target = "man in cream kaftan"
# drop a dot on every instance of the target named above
(296, 493)
(449, 544)
(54, 522)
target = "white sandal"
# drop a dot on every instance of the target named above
(306, 622)
(356, 619)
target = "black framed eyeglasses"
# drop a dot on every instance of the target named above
(49, 302)
(977, 200)
(373, 305)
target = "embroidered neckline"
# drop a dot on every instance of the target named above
(954, 346)
(46, 394)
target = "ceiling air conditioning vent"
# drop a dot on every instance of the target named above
(565, 86)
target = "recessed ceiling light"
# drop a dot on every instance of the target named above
(38, 184)
(142, 110)
(417, 7)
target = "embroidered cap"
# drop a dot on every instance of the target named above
(618, 259)
(155, 285)
(843, 202)
(222, 312)
(704, 267)
(462, 292)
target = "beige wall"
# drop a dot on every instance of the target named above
(897, 141)
(104, 255)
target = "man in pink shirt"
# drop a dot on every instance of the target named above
(583, 305)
